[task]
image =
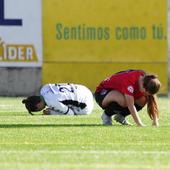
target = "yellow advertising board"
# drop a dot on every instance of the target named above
(86, 41)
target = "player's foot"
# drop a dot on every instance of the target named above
(121, 119)
(107, 120)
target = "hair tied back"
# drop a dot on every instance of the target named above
(24, 101)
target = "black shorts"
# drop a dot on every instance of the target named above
(99, 96)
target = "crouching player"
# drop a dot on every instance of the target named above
(61, 99)
(127, 92)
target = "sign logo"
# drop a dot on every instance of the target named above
(130, 89)
(8, 22)
(17, 52)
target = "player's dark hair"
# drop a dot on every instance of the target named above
(152, 86)
(31, 103)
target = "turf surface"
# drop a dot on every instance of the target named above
(81, 142)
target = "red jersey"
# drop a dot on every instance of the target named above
(126, 82)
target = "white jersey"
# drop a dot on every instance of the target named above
(65, 98)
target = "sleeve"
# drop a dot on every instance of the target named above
(55, 112)
(59, 108)
(127, 87)
(129, 82)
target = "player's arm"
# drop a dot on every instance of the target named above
(58, 108)
(130, 104)
(155, 121)
(49, 111)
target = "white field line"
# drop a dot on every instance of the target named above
(83, 147)
(91, 152)
(92, 166)
(10, 108)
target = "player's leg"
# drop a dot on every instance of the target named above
(112, 103)
(114, 96)
(89, 101)
(139, 104)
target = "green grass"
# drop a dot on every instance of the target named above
(80, 142)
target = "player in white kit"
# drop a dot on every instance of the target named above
(61, 99)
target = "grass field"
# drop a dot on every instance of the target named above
(80, 142)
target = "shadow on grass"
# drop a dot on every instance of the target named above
(50, 125)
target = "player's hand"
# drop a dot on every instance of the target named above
(46, 111)
(141, 125)
(155, 123)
